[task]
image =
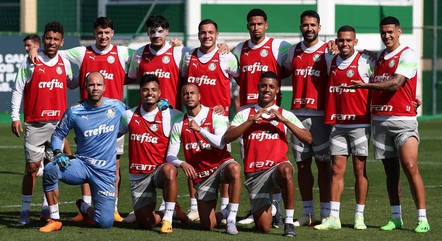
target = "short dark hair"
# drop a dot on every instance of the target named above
(256, 12)
(269, 74)
(310, 13)
(33, 37)
(149, 78)
(346, 28)
(55, 27)
(156, 21)
(103, 22)
(207, 21)
(390, 20)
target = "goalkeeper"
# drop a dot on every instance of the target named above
(95, 121)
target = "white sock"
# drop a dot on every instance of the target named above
(44, 204)
(396, 212)
(273, 210)
(289, 215)
(233, 210)
(193, 204)
(360, 210)
(84, 207)
(224, 202)
(162, 206)
(422, 215)
(26, 202)
(116, 204)
(53, 209)
(334, 209)
(325, 209)
(308, 207)
(87, 199)
(168, 215)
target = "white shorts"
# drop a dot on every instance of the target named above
(349, 141)
(38, 140)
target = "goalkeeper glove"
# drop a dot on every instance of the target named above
(163, 104)
(61, 159)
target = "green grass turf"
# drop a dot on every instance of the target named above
(377, 210)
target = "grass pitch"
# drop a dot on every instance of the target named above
(377, 211)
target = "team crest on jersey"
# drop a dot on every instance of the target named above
(391, 63)
(110, 113)
(166, 59)
(206, 129)
(316, 57)
(154, 127)
(212, 66)
(59, 70)
(264, 53)
(350, 73)
(111, 59)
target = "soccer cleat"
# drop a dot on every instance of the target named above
(45, 215)
(131, 218)
(181, 215)
(393, 224)
(248, 219)
(305, 220)
(86, 217)
(359, 223)
(117, 217)
(289, 230)
(422, 227)
(193, 215)
(166, 227)
(24, 217)
(331, 223)
(231, 229)
(52, 225)
(78, 218)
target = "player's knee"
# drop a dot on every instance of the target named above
(170, 172)
(234, 170)
(50, 175)
(338, 170)
(31, 169)
(105, 221)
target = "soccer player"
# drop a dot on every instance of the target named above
(43, 88)
(160, 58)
(349, 113)
(395, 133)
(263, 128)
(208, 163)
(111, 61)
(149, 130)
(95, 121)
(256, 56)
(307, 61)
(31, 41)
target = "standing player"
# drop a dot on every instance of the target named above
(95, 122)
(43, 88)
(111, 61)
(208, 163)
(307, 61)
(149, 130)
(395, 133)
(159, 58)
(349, 113)
(263, 128)
(31, 41)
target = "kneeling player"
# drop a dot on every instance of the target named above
(208, 162)
(95, 122)
(149, 130)
(263, 128)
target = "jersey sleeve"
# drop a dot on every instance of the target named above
(292, 118)
(135, 63)
(178, 55)
(280, 49)
(237, 51)
(220, 125)
(407, 65)
(229, 65)
(62, 130)
(365, 68)
(185, 65)
(74, 55)
(124, 56)
(23, 76)
(125, 120)
(289, 58)
(72, 82)
(174, 144)
(240, 117)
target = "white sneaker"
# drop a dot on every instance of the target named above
(193, 215)
(248, 219)
(40, 169)
(131, 218)
(304, 220)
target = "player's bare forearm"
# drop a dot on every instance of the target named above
(302, 134)
(236, 131)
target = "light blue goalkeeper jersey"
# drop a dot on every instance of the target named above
(96, 130)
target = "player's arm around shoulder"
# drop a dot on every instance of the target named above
(295, 126)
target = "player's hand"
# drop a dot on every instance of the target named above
(223, 48)
(33, 55)
(277, 115)
(356, 84)
(16, 128)
(188, 170)
(163, 104)
(332, 47)
(219, 109)
(175, 42)
(371, 54)
(194, 126)
(258, 116)
(61, 159)
(416, 103)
